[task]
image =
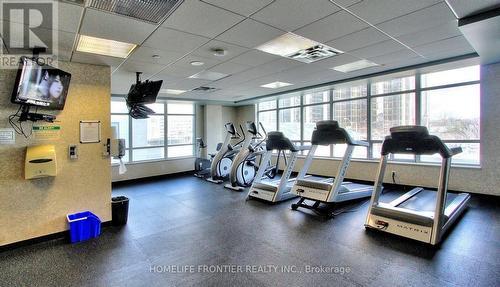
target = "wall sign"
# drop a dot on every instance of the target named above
(7, 136)
(47, 132)
(90, 132)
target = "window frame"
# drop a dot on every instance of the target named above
(417, 94)
(130, 149)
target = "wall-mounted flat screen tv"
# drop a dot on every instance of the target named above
(40, 85)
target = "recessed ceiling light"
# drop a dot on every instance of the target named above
(275, 85)
(104, 47)
(354, 66)
(208, 75)
(197, 63)
(298, 48)
(172, 91)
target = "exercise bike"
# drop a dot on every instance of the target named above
(244, 167)
(201, 164)
(221, 164)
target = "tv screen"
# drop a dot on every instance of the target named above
(144, 92)
(43, 86)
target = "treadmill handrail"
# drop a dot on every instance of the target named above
(360, 143)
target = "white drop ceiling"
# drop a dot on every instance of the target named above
(391, 33)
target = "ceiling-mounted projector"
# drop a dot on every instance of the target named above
(141, 94)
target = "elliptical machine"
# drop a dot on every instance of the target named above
(221, 164)
(245, 165)
(201, 164)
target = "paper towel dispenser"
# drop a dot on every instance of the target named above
(40, 161)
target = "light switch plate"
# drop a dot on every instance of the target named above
(73, 152)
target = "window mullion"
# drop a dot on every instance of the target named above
(165, 131)
(369, 119)
(418, 104)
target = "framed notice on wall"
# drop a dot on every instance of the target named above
(90, 132)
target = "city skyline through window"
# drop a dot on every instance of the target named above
(446, 101)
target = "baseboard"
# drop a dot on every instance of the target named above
(63, 236)
(153, 177)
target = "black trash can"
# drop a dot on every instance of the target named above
(119, 210)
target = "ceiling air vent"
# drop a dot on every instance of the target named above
(204, 89)
(314, 53)
(152, 11)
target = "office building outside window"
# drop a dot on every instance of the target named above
(169, 133)
(446, 101)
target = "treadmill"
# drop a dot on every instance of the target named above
(421, 214)
(270, 189)
(329, 190)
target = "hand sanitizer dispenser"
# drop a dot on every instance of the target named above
(40, 161)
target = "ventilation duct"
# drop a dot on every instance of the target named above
(314, 53)
(152, 11)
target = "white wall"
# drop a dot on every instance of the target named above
(213, 126)
(484, 179)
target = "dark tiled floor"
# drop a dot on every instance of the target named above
(186, 221)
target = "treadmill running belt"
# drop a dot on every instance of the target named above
(425, 201)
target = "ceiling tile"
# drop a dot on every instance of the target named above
(356, 40)
(231, 50)
(418, 21)
(145, 54)
(398, 56)
(187, 84)
(175, 41)
(332, 27)
(444, 31)
(147, 69)
(378, 49)
(208, 62)
(199, 18)
(244, 8)
(179, 71)
(448, 53)
(68, 17)
(86, 58)
(337, 61)
(290, 15)
(250, 34)
(254, 58)
(121, 82)
(65, 41)
(110, 26)
(262, 70)
(229, 68)
(346, 3)
(465, 8)
(455, 43)
(379, 11)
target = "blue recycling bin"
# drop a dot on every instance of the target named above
(83, 226)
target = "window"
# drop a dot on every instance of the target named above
(316, 96)
(313, 114)
(446, 101)
(391, 111)
(169, 133)
(352, 116)
(393, 85)
(289, 123)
